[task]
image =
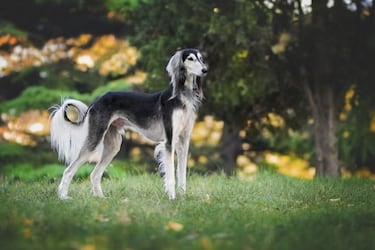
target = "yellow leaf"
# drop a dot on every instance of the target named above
(173, 226)
(27, 233)
(334, 199)
(88, 247)
(27, 222)
(206, 243)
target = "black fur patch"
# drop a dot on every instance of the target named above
(187, 52)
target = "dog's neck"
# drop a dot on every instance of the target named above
(188, 87)
(192, 91)
(190, 82)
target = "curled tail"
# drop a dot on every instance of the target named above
(68, 129)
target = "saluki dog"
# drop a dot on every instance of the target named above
(166, 117)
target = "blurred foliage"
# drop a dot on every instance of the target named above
(37, 97)
(312, 42)
(357, 137)
(83, 63)
(258, 53)
(9, 29)
(123, 6)
(12, 152)
(12, 155)
(52, 172)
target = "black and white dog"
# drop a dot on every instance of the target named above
(165, 117)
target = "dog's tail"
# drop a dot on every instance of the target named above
(68, 129)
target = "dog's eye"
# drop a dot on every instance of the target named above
(190, 59)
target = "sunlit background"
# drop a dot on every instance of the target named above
(115, 58)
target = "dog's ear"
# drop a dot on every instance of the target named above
(176, 71)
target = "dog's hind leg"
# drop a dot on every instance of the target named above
(111, 146)
(69, 172)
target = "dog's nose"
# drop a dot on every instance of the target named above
(204, 70)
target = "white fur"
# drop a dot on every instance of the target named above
(67, 138)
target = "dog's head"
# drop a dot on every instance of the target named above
(193, 62)
(185, 62)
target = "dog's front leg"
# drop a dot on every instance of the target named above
(169, 178)
(182, 151)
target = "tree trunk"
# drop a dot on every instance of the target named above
(230, 148)
(325, 126)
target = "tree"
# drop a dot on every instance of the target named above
(329, 53)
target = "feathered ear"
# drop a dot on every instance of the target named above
(176, 71)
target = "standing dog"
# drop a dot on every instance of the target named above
(165, 117)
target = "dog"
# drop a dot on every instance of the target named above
(166, 118)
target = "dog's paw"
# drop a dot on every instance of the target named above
(181, 190)
(169, 187)
(97, 192)
(171, 195)
(63, 194)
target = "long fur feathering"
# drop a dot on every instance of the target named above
(176, 72)
(67, 138)
(160, 157)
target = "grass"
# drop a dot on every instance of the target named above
(268, 212)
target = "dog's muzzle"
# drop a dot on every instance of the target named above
(204, 71)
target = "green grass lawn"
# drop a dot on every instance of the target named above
(268, 212)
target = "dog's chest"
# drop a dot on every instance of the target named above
(183, 119)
